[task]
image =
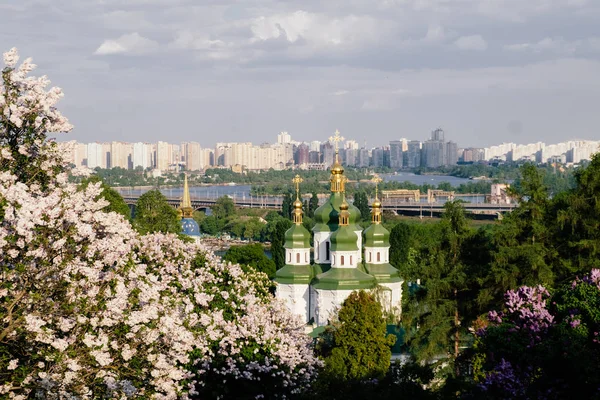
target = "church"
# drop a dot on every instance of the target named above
(341, 261)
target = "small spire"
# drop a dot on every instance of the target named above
(335, 139)
(297, 213)
(297, 180)
(186, 210)
(376, 180)
(344, 213)
(376, 206)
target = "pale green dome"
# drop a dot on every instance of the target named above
(297, 237)
(327, 216)
(344, 239)
(377, 236)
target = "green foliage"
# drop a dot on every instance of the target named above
(313, 204)
(251, 255)
(278, 241)
(400, 245)
(115, 200)
(357, 347)
(361, 201)
(436, 312)
(577, 214)
(522, 245)
(154, 214)
(211, 225)
(286, 206)
(223, 207)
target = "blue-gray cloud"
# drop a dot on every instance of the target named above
(380, 69)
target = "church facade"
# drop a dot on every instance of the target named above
(341, 261)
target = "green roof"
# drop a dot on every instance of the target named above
(377, 236)
(344, 279)
(297, 237)
(344, 239)
(327, 216)
(294, 274)
(384, 273)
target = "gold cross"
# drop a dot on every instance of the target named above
(336, 138)
(297, 180)
(376, 179)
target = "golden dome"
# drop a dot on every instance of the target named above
(376, 203)
(337, 169)
(344, 206)
(298, 203)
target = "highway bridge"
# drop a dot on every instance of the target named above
(397, 206)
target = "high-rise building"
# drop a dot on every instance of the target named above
(413, 154)
(302, 154)
(315, 145)
(438, 135)
(363, 158)
(351, 144)
(328, 153)
(284, 138)
(142, 155)
(164, 155)
(351, 157)
(377, 155)
(451, 153)
(95, 156)
(120, 154)
(397, 150)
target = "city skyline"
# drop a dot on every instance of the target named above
(524, 71)
(285, 152)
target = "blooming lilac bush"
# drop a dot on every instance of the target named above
(91, 309)
(542, 347)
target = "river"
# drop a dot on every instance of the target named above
(243, 191)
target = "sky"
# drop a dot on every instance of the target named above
(485, 71)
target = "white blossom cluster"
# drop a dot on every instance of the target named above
(91, 309)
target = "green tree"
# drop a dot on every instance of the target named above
(154, 214)
(436, 311)
(278, 240)
(286, 206)
(223, 207)
(253, 229)
(313, 204)
(356, 347)
(523, 250)
(361, 201)
(251, 255)
(115, 200)
(400, 244)
(211, 225)
(577, 214)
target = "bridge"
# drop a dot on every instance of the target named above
(395, 205)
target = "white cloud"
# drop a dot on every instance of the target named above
(132, 44)
(557, 45)
(318, 30)
(340, 92)
(474, 42)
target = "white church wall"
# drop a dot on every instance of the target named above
(321, 241)
(296, 297)
(327, 303)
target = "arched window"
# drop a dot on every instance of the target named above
(327, 251)
(378, 256)
(341, 260)
(305, 257)
(350, 260)
(370, 258)
(289, 257)
(297, 258)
